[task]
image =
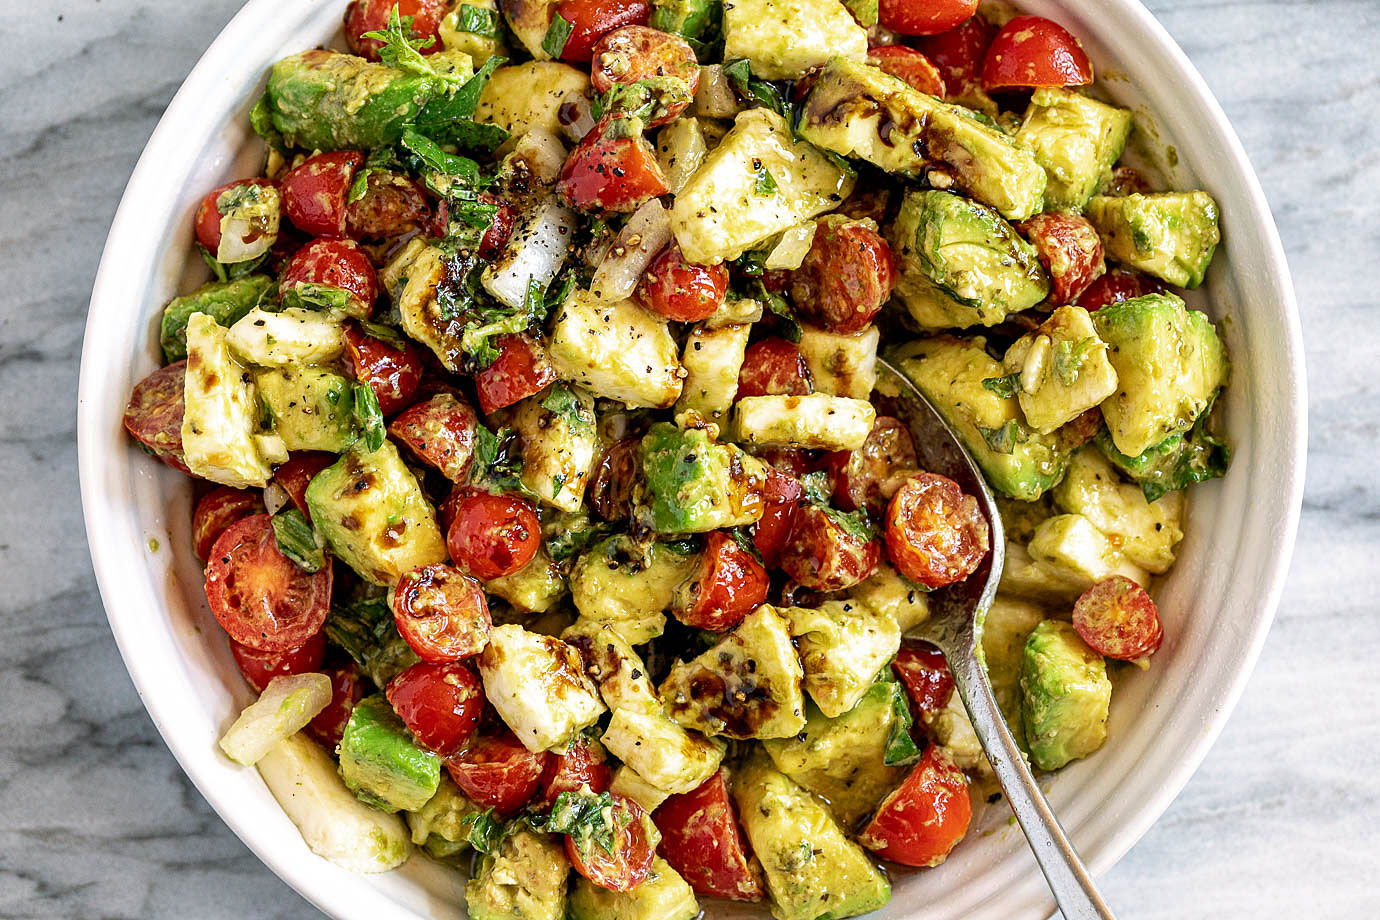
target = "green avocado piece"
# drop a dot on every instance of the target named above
(813, 871)
(311, 408)
(440, 826)
(524, 879)
(960, 264)
(1177, 462)
(1065, 693)
(1171, 235)
(629, 591)
(1169, 364)
(663, 896)
(696, 485)
(696, 20)
(381, 763)
(1076, 139)
(223, 301)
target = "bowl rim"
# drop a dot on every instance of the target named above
(93, 430)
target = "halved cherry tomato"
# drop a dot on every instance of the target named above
(908, 65)
(496, 771)
(935, 534)
(439, 702)
(295, 475)
(613, 168)
(781, 497)
(1117, 285)
(393, 375)
(347, 689)
(315, 193)
(364, 16)
(259, 667)
(208, 214)
(635, 53)
(924, 17)
(1033, 51)
(615, 480)
(441, 431)
(261, 597)
(727, 585)
(521, 370)
(628, 862)
(493, 535)
(821, 553)
(959, 53)
(701, 839)
(681, 290)
(867, 478)
(1118, 618)
(392, 205)
(338, 264)
(582, 766)
(500, 227)
(926, 676)
(153, 415)
(1069, 249)
(773, 367)
(590, 20)
(441, 612)
(845, 278)
(217, 510)
(924, 819)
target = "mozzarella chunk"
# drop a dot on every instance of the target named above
(886, 592)
(841, 365)
(538, 685)
(290, 336)
(617, 350)
(713, 358)
(660, 750)
(843, 645)
(817, 421)
(784, 39)
(558, 448)
(220, 421)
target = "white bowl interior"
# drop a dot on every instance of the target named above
(1217, 603)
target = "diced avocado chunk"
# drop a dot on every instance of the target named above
(843, 645)
(381, 763)
(841, 365)
(617, 350)
(813, 871)
(1169, 363)
(746, 686)
(1066, 694)
(1175, 463)
(728, 206)
(815, 421)
(1036, 580)
(843, 759)
(1076, 139)
(960, 264)
(1146, 533)
(1017, 462)
(524, 879)
(886, 592)
(1060, 369)
(784, 39)
(857, 110)
(696, 485)
(472, 27)
(538, 686)
(311, 408)
(559, 444)
(626, 590)
(223, 301)
(1171, 235)
(221, 415)
(411, 279)
(534, 588)
(1005, 629)
(712, 359)
(691, 19)
(440, 826)
(1070, 545)
(663, 896)
(374, 516)
(661, 751)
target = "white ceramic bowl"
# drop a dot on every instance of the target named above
(1217, 603)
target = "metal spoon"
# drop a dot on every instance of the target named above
(955, 626)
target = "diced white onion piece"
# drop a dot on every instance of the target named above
(715, 97)
(275, 497)
(644, 235)
(284, 708)
(542, 152)
(249, 226)
(536, 252)
(680, 149)
(791, 248)
(575, 117)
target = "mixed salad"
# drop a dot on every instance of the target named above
(543, 490)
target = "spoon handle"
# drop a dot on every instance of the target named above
(1068, 878)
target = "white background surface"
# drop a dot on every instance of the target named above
(97, 820)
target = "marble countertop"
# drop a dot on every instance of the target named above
(96, 818)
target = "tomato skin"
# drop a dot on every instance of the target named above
(681, 290)
(1069, 249)
(634, 53)
(781, 496)
(580, 766)
(441, 431)
(590, 20)
(295, 475)
(845, 278)
(926, 676)
(1032, 51)
(338, 264)
(701, 839)
(521, 370)
(1118, 618)
(611, 488)
(258, 595)
(867, 478)
(727, 586)
(347, 689)
(926, 817)
(439, 702)
(496, 771)
(773, 367)
(217, 510)
(909, 65)
(959, 53)
(612, 169)
(259, 667)
(629, 862)
(924, 17)
(935, 534)
(208, 216)
(441, 613)
(393, 375)
(363, 16)
(493, 535)
(392, 205)
(1117, 285)
(820, 554)
(315, 193)
(153, 415)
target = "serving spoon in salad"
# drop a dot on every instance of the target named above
(955, 626)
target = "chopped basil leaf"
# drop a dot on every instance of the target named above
(753, 91)
(367, 632)
(487, 832)
(479, 21)
(369, 417)
(557, 34)
(766, 182)
(586, 817)
(1003, 440)
(743, 537)
(564, 404)
(385, 334)
(297, 540)
(1005, 387)
(901, 750)
(312, 296)
(401, 50)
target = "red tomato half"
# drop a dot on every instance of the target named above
(364, 16)
(392, 374)
(1118, 619)
(728, 585)
(909, 65)
(1117, 285)
(493, 535)
(582, 766)
(217, 510)
(347, 689)
(590, 20)
(295, 475)
(628, 862)
(338, 264)
(153, 415)
(441, 431)
(781, 496)
(522, 369)
(208, 214)
(315, 193)
(919, 823)
(701, 839)
(959, 53)
(680, 290)
(496, 771)
(635, 53)
(259, 667)
(845, 278)
(821, 554)
(924, 17)
(392, 205)
(935, 534)
(439, 702)
(441, 613)
(928, 681)
(1032, 51)
(1069, 249)
(867, 478)
(613, 168)
(773, 367)
(261, 597)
